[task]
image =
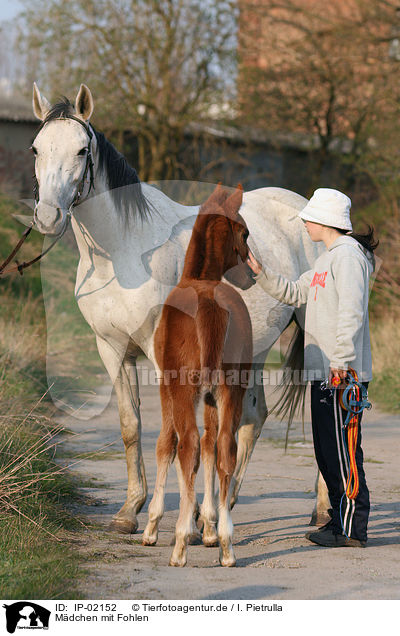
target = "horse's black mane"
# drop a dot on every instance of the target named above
(120, 174)
(129, 201)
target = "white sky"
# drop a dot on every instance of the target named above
(9, 9)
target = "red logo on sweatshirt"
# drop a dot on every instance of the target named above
(319, 279)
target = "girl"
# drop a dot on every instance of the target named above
(336, 293)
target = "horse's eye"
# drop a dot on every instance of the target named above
(34, 150)
(245, 235)
(82, 152)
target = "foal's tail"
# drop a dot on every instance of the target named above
(294, 393)
(211, 325)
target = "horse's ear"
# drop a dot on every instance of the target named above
(233, 203)
(40, 104)
(84, 103)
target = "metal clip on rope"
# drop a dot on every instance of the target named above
(351, 403)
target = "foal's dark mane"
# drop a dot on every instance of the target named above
(115, 168)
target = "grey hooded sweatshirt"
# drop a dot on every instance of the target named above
(336, 291)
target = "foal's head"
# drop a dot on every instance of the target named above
(225, 238)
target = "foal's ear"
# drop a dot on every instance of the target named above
(40, 104)
(218, 196)
(233, 203)
(84, 103)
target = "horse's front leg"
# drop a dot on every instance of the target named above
(254, 415)
(124, 376)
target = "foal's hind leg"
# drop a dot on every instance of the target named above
(208, 511)
(189, 456)
(195, 536)
(229, 410)
(165, 452)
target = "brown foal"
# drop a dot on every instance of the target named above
(203, 346)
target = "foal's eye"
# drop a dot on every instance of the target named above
(34, 150)
(82, 152)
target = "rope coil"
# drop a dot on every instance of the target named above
(354, 399)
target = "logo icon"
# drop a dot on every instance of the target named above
(26, 615)
(319, 279)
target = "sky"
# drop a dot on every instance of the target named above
(9, 9)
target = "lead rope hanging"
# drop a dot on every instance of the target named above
(354, 399)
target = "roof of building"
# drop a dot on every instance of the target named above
(279, 139)
(16, 109)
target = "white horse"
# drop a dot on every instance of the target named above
(132, 240)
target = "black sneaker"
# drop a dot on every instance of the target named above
(329, 539)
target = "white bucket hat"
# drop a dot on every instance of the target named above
(328, 207)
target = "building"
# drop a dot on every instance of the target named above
(17, 129)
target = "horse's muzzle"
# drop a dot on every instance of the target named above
(48, 219)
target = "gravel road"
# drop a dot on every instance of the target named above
(274, 560)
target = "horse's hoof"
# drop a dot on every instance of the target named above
(210, 537)
(195, 538)
(319, 519)
(210, 542)
(125, 526)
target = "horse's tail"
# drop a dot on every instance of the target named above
(294, 393)
(211, 325)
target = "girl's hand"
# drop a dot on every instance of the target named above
(253, 263)
(339, 375)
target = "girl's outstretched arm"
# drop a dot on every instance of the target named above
(290, 292)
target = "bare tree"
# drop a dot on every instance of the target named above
(324, 69)
(153, 66)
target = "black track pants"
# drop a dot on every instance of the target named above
(327, 418)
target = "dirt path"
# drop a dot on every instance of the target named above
(274, 560)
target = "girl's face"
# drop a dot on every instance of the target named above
(315, 230)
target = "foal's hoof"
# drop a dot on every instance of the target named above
(226, 555)
(125, 526)
(149, 541)
(177, 564)
(228, 563)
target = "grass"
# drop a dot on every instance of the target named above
(385, 302)
(37, 558)
(98, 455)
(385, 340)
